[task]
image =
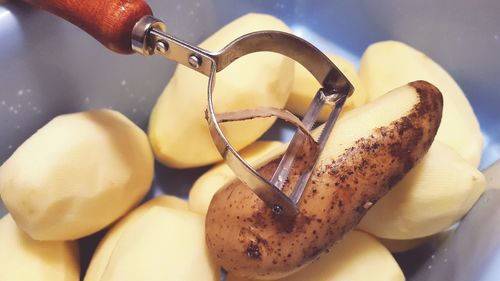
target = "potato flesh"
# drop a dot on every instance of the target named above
(161, 240)
(22, 258)
(401, 246)
(357, 257)
(245, 237)
(388, 64)
(355, 125)
(434, 195)
(210, 182)
(76, 175)
(106, 246)
(305, 87)
(178, 130)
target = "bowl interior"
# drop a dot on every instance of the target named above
(49, 67)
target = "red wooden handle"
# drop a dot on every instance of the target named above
(109, 21)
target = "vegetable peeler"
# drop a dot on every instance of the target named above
(128, 26)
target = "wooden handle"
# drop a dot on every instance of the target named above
(109, 21)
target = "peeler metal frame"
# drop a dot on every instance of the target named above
(149, 37)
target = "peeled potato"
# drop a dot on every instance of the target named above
(400, 246)
(357, 257)
(178, 130)
(107, 245)
(169, 201)
(22, 258)
(388, 64)
(76, 175)
(305, 87)
(161, 240)
(434, 195)
(210, 182)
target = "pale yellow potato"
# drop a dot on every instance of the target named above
(170, 201)
(400, 246)
(107, 245)
(76, 175)
(357, 257)
(389, 64)
(220, 175)
(156, 242)
(25, 259)
(178, 130)
(434, 195)
(305, 87)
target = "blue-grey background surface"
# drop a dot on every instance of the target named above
(49, 67)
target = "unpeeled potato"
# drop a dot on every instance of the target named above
(372, 148)
(434, 195)
(24, 259)
(160, 240)
(76, 175)
(178, 130)
(305, 87)
(388, 64)
(357, 257)
(219, 176)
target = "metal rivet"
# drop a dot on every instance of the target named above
(329, 98)
(277, 209)
(161, 46)
(194, 61)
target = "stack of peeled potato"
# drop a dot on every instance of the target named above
(87, 171)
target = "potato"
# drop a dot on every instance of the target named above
(400, 246)
(434, 195)
(305, 87)
(107, 245)
(161, 240)
(178, 130)
(357, 257)
(372, 148)
(170, 201)
(76, 175)
(22, 258)
(388, 64)
(220, 175)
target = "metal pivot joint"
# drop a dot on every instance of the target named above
(149, 37)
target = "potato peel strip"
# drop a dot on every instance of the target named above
(263, 112)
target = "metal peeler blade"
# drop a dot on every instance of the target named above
(286, 163)
(149, 37)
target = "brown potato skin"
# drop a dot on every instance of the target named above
(246, 238)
